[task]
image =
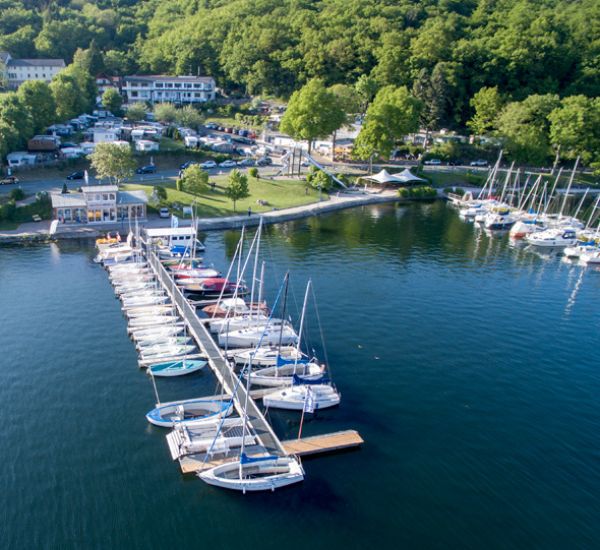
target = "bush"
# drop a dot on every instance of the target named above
(456, 190)
(8, 210)
(161, 193)
(253, 172)
(179, 184)
(17, 194)
(421, 192)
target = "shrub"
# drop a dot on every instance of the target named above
(253, 172)
(161, 192)
(8, 210)
(17, 194)
(179, 184)
(421, 192)
(456, 190)
(404, 192)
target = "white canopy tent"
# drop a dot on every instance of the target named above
(383, 177)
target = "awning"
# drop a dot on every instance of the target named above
(406, 176)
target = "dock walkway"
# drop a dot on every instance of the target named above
(216, 360)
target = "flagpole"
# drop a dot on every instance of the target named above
(302, 417)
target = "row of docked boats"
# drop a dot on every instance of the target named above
(265, 350)
(535, 214)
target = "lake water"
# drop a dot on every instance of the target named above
(469, 367)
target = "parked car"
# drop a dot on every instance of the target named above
(79, 175)
(208, 164)
(148, 169)
(478, 162)
(211, 125)
(8, 180)
(264, 161)
(164, 213)
(433, 162)
(228, 164)
(187, 164)
(229, 130)
(246, 162)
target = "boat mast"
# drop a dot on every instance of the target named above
(237, 251)
(580, 203)
(568, 188)
(257, 237)
(301, 324)
(287, 280)
(262, 281)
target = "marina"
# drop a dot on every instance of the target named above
(438, 334)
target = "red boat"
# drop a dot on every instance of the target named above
(213, 288)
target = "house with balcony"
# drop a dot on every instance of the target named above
(99, 204)
(169, 89)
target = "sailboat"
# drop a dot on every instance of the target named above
(189, 412)
(177, 368)
(294, 398)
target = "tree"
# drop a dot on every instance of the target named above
(36, 96)
(487, 103)
(80, 71)
(366, 88)
(253, 172)
(112, 101)
(160, 192)
(312, 112)
(575, 127)
(9, 138)
(347, 97)
(113, 161)
(194, 180)
(318, 179)
(189, 117)
(525, 128)
(238, 187)
(136, 112)
(14, 113)
(165, 112)
(393, 113)
(67, 96)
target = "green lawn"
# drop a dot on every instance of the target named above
(278, 194)
(458, 178)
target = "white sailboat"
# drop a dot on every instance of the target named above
(294, 398)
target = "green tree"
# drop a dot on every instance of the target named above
(487, 104)
(318, 179)
(312, 112)
(36, 96)
(86, 83)
(160, 192)
(189, 117)
(575, 128)
(113, 161)
(393, 113)
(15, 114)
(237, 187)
(165, 112)
(194, 180)
(253, 172)
(366, 88)
(9, 138)
(136, 112)
(525, 128)
(67, 96)
(112, 101)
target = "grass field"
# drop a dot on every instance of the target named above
(277, 193)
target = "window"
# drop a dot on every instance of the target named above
(112, 196)
(196, 85)
(159, 85)
(97, 197)
(105, 197)
(188, 85)
(177, 85)
(197, 94)
(134, 94)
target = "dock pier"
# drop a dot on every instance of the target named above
(267, 440)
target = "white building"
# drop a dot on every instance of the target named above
(170, 89)
(21, 158)
(99, 204)
(16, 71)
(146, 145)
(105, 135)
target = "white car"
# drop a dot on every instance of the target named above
(479, 162)
(208, 164)
(228, 164)
(164, 213)
(433, 162)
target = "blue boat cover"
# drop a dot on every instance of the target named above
(298, 380)
(281, 362)
(245, 459)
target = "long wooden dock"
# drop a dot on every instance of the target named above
(306, 446)
(217, 361)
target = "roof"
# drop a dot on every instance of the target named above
(131, 197)
(170, 231)
(100, 188)
(37, 63)
(167, 78)
(385, 177)
(68, 200)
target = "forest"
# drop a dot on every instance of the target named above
(503, 66)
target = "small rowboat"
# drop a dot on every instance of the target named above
(190, 412)
(177, 368)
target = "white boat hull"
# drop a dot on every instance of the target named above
(294, 398)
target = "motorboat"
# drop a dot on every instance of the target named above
(591, 257)
(230, 324)
(177, 368)
(189, 412)
(263, 473)
(499, 220)
(198, 273)
(553, 238)
(215, 288)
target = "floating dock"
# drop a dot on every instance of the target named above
(265, 439)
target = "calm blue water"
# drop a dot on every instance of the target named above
(469, 367)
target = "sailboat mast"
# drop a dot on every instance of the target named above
(258, 235)
(262, 283)
(568, 188)
(581, 203)
(302, 323)
(287, 281)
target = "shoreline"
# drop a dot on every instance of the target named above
(334, 203)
